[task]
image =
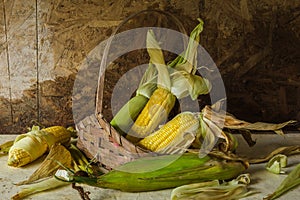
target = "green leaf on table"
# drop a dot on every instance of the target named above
(290, 182)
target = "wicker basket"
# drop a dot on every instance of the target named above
(97, 139)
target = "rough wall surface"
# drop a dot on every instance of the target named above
(254, 43)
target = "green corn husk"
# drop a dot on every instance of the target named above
(276, 164)
(126, 116)
(185, 169)
(290, 182)
(50, 183)
(178, 77)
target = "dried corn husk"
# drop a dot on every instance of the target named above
(214, 190)
(57, 157)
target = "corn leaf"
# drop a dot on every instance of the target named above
(184, 84)
(209, 134)
(188, 59)
(289, 150)
(44, 185)
(80, 161)
(213, 190)
(224, 119)
(122, 121)
(148, 82)
(154, 50)
(290, 182)
(157, 58)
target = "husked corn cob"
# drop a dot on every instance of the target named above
(166, 139)
(154, 113)
(181, 170)
(57, 134)
(30, 146)
(126, 116)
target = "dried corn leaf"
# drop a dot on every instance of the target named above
(224, 119)
(57, 156)
(290, 182)
(213, 190)
(44, 185)
(213, 120)
(290, 150)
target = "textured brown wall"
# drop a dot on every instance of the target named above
(254, 43)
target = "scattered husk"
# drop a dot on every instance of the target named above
(290, 182)
(213, 190)
(226, 120)
(44, 185)
(276, 164)
(213, 120)
(57, 157)
(289, 150)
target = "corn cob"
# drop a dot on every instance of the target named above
(174, 132)
(126, 116)
(185, 169)
(154, 113)
(30, 146)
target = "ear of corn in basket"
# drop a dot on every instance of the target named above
(175, 136)
(30, 146)
(161, 101)
(172, 83)
(126, 116)
(137, 176)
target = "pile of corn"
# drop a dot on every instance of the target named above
(145, 121)
(151, 129)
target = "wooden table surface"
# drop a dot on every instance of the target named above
(262, 181)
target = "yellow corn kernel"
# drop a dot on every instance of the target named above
(18, 157)
(172, 134)
(27, 148)
(154, 113)
(58, 134)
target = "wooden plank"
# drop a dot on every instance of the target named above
(5, 106)
(21, 44)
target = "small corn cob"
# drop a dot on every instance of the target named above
(154, 113)
(170, 171)
(172, 137)
(30, 146)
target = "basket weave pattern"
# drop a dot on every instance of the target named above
(97, 139)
